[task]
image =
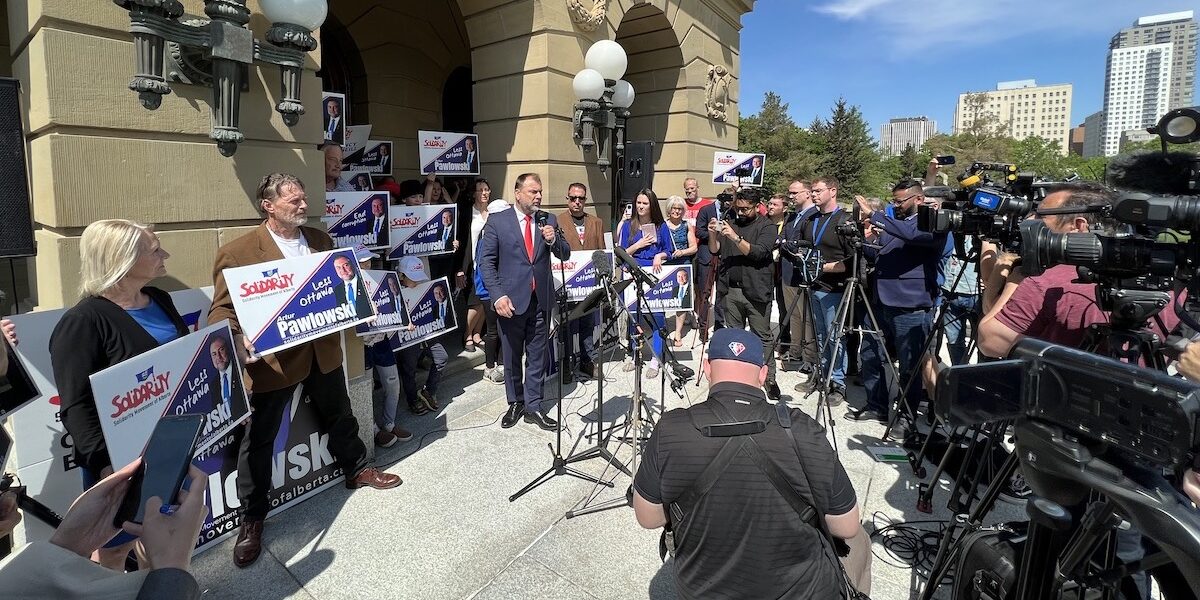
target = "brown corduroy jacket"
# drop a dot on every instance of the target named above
(593, 231)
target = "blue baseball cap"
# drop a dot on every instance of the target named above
(736, 344)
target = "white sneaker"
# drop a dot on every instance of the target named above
(494, 374)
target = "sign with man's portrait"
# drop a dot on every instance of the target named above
(745, 169)
(197, 374)
(333, 111)
(430, 309)
(354, 218)
(375, 158)
(578, 273)
(284, 303)
(422, 230)
(384, 288)
(448, 153)
(674, 291)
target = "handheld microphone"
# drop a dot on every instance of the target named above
(540, 217)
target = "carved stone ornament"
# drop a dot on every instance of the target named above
(716, 92)
(585, 19)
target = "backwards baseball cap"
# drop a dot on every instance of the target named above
(735, 344)
(414, 269)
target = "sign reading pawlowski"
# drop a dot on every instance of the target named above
(197, 374)
(384, 289)
(674, 291)
(745, 169)
(354, 218)
(430, 311)
(579, 273)
(447, 153)
(45, 462)
(284, 303)
(422, 230)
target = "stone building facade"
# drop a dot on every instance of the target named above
(500, 67)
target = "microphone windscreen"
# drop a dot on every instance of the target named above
(601, 263)
(1151, 172)
(540, 217)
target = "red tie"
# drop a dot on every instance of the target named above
(529, 244)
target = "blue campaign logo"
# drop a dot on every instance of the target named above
(145, 375)
(271, 273)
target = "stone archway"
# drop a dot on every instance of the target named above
(659, 112)
(409, 52)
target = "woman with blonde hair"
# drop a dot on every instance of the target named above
(683, 247)
(118, 317)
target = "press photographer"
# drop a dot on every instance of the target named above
(745, 278)
(826, 231)
(907, 262)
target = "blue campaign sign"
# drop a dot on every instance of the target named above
(354, 218)
(430, 311)
(287, 302)
(744, 168)
(422, 230)
(674, 291)
(579, 273)
(384, 290)
(448, 153)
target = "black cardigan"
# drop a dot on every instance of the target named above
(94, 335)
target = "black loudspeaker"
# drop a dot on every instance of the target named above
(639, 169)
(16, 228)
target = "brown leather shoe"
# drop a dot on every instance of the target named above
(372, 477)
(249, 543)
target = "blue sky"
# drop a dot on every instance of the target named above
(899, 58)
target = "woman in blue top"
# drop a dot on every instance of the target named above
(118, 317)
(647, 239)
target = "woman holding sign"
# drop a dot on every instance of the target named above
(118, 318)
(684, 246)
(647, 239)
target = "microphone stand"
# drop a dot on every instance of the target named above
(559, 464)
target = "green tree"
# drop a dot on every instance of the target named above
(790, 150)
(1043, 157)
(912, 163)
(849, 149)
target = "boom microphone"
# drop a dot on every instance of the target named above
(1152, 172)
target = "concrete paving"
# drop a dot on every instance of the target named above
(450, 530)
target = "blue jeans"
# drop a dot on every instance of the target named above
(961, 314)
(907, 329)
(824, 307)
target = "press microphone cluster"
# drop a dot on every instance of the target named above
(641, 276)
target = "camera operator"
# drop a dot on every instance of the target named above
(803, 346)
(745, 278)
(1053, 306)
(822, 230)
(907, 263)
(736, 532)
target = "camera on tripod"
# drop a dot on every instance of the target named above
(990, 209)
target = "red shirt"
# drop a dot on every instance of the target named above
(691, 210)
(1052, 307)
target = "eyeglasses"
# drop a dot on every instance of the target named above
(675, 208)
(903, 200)
(576, 198)
(817, 191)
(793, 194)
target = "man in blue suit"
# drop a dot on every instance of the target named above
(907, 262)
(514, 261)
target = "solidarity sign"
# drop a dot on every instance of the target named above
(738, 167)
(579, 273)
(354, 218)
(384, 289)
(674, 291)
(430, 310)
(284, 303)
(422, 230)
(197, 374)
(447, 153)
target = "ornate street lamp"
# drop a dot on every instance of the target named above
(604, 101)
(218, 51)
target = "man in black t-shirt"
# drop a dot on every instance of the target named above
(746, 277)
(742, 538)
(822, 231)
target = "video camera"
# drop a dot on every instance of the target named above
(983, 206)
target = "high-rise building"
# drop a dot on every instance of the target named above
(906, 131)
(1093, 135)
(1180, 30)
(1076, 140)
(1020, 109)
(1151, 69)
